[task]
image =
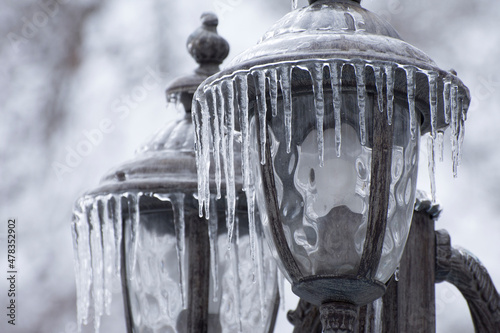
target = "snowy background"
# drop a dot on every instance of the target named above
(68, 67)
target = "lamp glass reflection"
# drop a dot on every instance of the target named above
(324, 208)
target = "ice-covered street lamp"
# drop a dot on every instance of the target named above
(142, 227)
(312, 137)
(330, 105)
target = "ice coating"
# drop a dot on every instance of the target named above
(281, 288)
(259, 262)
(379, 85)
(259, 73)
(382, 80)
(361, 90)
(177, 201)
(241, 307)
(336, 83)
(100, 217)
(115, 210)
(108, 237)
(260, 87)
(228, 150)
(83, 262)
(286, 89)
(242, 102)
(124, 234)
(433, 101)
(234, 263)
(273, 90)
(94, 215)
(389, 73)
(217, 140)
(410, 87)
(214, 251)
(316, 71)
(440, 145)
(431, 165)
(250, 195)
(160, 293)
(133, 213)
(457, 119)
(446, 99)
(97, 237)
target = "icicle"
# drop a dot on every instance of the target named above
(461, 134)
(228, 149)
(213, 224)
(220, 116)
(133, 210)
(116, 208)
(431, 166)
(379, 83)
(97, 261)
(178, 207)
(245, 158)
(217, 139)
(446, 99)
(411, 88)
(281, 288)
(177, 201)
(205, 147)
(261, 277)
(250, 195)
(389, 72)
(285, 73)
(294, 4)
(242, 96)
(75, 221)
(337, 103)
(260, 87)
(454, 128)
(361, 90)
(83, 264)
(199, 133)
(440, 144)
(195, 114)
(316, 71)
(273, 90)
(234, 260)
(433, 101)
(109, 253)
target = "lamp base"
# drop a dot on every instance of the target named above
(321, 289)
(338, 317)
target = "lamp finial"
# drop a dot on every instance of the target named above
(205, 45)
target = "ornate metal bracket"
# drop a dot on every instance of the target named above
(464, 271)
(305, 318)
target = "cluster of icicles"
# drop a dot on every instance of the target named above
(98, 236)
(215, 105)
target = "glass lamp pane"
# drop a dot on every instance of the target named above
(323, 206)
(154, 280)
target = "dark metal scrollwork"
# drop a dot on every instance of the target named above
(464, 271)
(305, 318)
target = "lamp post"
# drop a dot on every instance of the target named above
(331, 105)
(327, 111)
(142, 226)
